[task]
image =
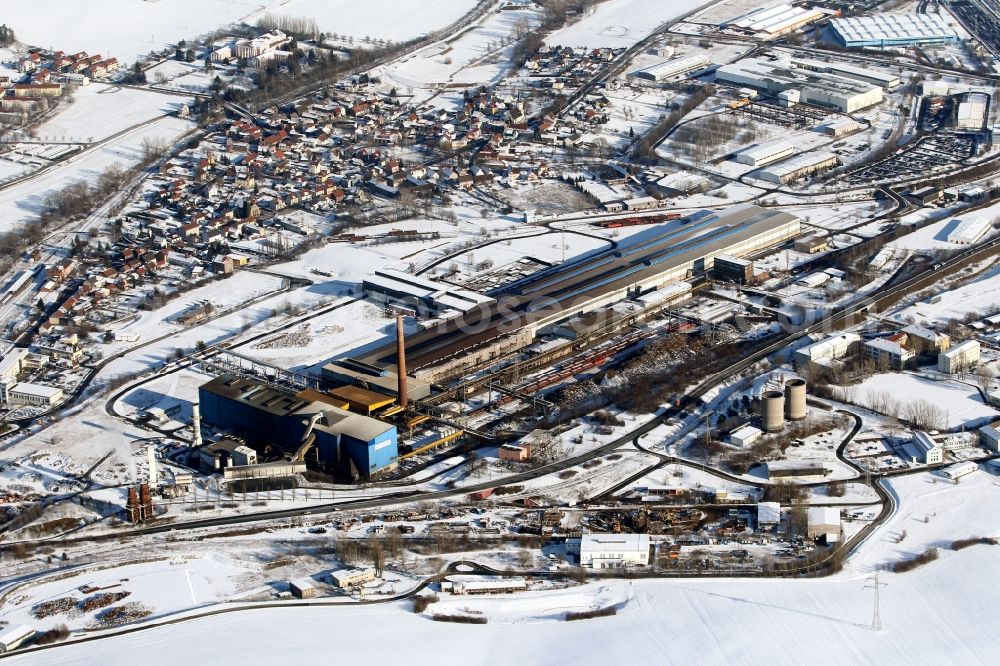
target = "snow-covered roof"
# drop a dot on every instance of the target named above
(962, 348)
(776, 20)
(921, 332)
(798, 163)
(769, 512)
(16, 634)
(924, 442)
(36, 389)
(615, 543)
(887, 345)
(795, 465)
(970, 230)
(342, 575)
(489, 584)
(824, 515)
(823, 347)
(886, 26)
(746, 431)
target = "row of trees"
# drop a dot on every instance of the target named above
(645, 148)
(701, 137)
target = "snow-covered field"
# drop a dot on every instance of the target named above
(392, 20)
(23, 201)
(129, 30)
(478, 56)
(161, 587)
(125, 30)
(328, 336)
(686, 621)
(98, 111)
(616, 23)
(933, 511)
(961, 403)
(981, 295)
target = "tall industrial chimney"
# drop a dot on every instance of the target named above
(401, 360)
(132, 506)
(196, 424)
(153, 477)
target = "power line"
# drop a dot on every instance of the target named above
(876, 613)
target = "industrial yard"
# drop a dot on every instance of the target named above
(531, 313)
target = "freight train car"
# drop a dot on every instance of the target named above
(634, 221)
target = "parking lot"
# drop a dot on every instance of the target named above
(929, 153)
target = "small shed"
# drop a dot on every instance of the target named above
(302, 588)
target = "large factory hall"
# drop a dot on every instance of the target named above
(652, 259)
(350, 425)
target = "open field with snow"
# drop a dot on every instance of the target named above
(961, 403)
(478, 56)
(130, 30)
(616, 23)
(126, 30)
(161, 587)
(98, 111)
(391, 20)
(979, 296)
(23, 201)
(688, 621)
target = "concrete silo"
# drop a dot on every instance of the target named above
(772, 411)
(795, 394)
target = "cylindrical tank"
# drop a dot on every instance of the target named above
(772, 411)
(795, 392)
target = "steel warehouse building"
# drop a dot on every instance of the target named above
(971, 111)
(768, 514)
(772, 22)
(887, 30)
(302, 588)
(958, 470)
(267, 417)
(823, 521)
(868, 75)
(374, 378)
(671, 68)
(14, 637)
(427, 298)
(765, 153)
(798, 167)
(777, 469)
(774, 77)
(654, 258)
(970, 230)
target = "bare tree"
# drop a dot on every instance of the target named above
(924, 415)
(985, 378)
(882, 402)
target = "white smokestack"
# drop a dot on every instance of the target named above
(153, 477)
(196, 423)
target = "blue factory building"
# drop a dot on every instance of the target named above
(275, 423)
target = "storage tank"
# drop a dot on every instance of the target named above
(772, 411)
(795, 392)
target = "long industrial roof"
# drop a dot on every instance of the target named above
(893, 27)
(568, 288)
(790, 75)
(795, 164)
